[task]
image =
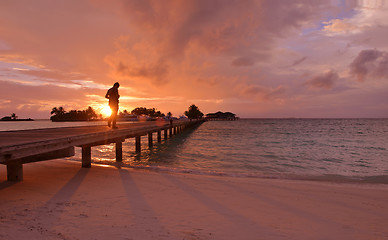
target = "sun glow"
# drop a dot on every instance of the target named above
(105, 111)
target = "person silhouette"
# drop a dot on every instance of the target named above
(113, 96)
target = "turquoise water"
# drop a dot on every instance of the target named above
(327, 149)
(321, 149)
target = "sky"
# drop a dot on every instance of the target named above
(255, 58)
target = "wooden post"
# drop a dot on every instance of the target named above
(165, 134)
(159, 136)
(138, 144)
(150, 143)
(171, 131)
(86, 156)
(119, 151)
(175, 130)
(15, 172)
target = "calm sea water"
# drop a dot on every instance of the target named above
(320, 149)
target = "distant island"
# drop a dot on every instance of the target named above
(13, 117)
(221, 116)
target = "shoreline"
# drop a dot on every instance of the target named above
(60, 200)
(328, 178)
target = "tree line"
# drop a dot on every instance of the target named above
(59, 113)
(151, 112)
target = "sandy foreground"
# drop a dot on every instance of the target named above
(60, 200)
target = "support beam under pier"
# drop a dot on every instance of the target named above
(15, 172)
(86, 156)
(119, 151)
(150, 143)
(138, 144)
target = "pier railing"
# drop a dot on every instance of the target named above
(20, 147)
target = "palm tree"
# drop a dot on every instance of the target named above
(61, 110)
(90, 113)
(58, 111)
(54, 111)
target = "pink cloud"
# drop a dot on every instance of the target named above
(370, 63)
(326, 80)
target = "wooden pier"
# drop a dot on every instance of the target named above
(26, 146)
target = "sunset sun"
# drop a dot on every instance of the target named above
(105, 111)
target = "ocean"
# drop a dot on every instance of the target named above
(340, 150)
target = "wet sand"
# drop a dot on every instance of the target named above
(60, 200)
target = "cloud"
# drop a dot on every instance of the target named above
(243, 62)
(72, 36)
(298, 61)
(35, 100)
(366, 16)
(77, 36)
(326, 80)
(370, 63)
(50, 75)
(24, 92)
(249, 51)
(247, 61)
(339, 26)
(35, 76)
(242, 32)
(258, 92)
(156, 72)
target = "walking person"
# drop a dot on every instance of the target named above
(113, 96)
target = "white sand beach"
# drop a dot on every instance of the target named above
(60, 200)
